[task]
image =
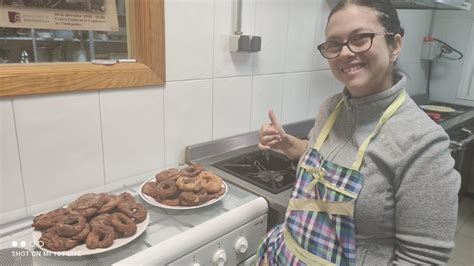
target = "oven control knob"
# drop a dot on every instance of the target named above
(219, 258)
(241, 245)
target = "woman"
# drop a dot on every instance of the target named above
(375, 182)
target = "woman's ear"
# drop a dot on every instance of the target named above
(396, 48)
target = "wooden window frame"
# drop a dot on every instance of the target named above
(146, 44)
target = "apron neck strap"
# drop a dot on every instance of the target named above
(360, 153)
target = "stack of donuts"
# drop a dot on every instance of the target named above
(190, 186)
(96, 219)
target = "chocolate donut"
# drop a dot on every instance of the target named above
(49, 219)
(54, 242)
(171, 202)
(83, 234)
(123, 224)
(149, 188)
(102, 219)
(168, 174)
(191, 170)
(101, 236)
(89, 200)
(70, 225)
(87, 213)
(110, 202)
(126, 197)
(166, 189)
(135, 211)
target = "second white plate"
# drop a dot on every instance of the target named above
(152, 201)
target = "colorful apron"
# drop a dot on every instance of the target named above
(319, 224)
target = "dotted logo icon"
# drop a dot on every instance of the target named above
(14, 243)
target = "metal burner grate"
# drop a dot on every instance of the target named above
(269, 170)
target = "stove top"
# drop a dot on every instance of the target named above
(268, 170)
(441, 116)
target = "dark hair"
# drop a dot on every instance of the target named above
(386, 13)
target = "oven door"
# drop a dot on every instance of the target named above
(462, 150)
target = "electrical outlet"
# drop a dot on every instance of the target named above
(256, 44)
(245, 43)
(239, 43)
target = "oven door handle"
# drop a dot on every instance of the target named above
(461, 144)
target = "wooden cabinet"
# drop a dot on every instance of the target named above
(145, 33)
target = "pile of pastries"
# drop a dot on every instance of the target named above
(189, 186)
(95, 219)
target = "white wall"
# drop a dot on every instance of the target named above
(454, 28)
(56, 145)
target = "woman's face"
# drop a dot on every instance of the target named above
(368, 72)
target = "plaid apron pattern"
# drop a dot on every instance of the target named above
(329, 236)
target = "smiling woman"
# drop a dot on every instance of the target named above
(369, 180)
(145, 31)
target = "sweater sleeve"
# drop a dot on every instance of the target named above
(426, 201)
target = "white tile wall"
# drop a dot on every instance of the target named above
(11, 184)
(231, 101)
(71, 142)
(188, 116)
(417, 77)
(296, 96)
(189, 39)
(59, 143)
(323, 85)
(272, 25)
(319, 62)
(133, 137)
(267, 94)
(301, 34)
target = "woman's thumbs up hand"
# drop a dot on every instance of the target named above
(273, 136)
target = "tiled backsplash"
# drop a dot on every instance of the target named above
(59, 144)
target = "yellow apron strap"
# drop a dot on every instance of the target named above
(327, 126)
(318, 175)
(305, 256)
(331, 207)
(386, 115)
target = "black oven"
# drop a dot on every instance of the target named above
(462, 150)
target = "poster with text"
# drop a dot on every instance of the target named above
(98, 15)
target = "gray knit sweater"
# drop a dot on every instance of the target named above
(407, 209)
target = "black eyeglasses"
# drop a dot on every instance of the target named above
(357, 44)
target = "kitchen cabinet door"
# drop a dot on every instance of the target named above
(466, 84)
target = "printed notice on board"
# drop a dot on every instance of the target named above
(98, 15)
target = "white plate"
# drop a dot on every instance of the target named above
(152, 201)
(82, 250)
(438, 108)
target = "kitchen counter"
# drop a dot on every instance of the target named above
(161, 241)
(450, 122)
